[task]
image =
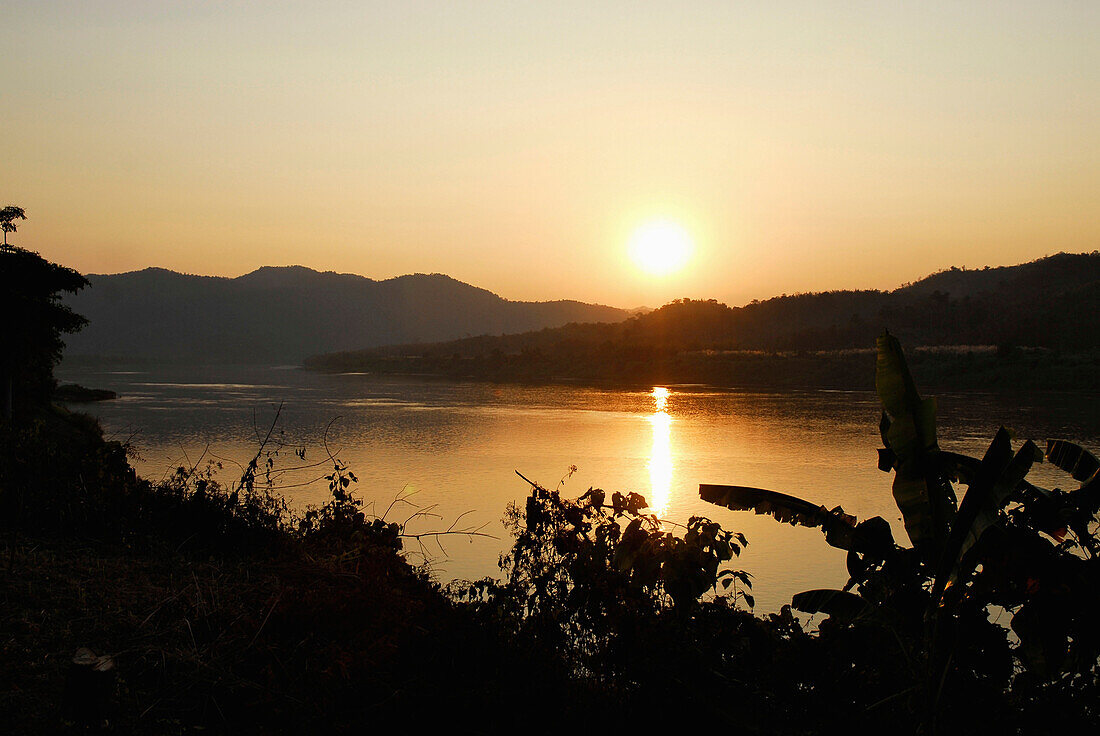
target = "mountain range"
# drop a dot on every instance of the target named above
(283, 314)
(1052, 304)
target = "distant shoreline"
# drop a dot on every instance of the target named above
(950, 368)
(986, 369)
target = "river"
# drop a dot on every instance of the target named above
(453, 448)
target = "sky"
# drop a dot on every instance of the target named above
(804, 146)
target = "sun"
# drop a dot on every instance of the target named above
(660, 247)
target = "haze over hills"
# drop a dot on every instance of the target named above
(1051, 303)
(283, 314)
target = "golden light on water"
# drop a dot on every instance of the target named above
(660, 398)
(660, 457)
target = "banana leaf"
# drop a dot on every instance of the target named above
(838, 526)
(921, 489)
(1072, 458)
(992, 487)
(1047, 511)
(958, 467)
(838, 604)
(1083, 466)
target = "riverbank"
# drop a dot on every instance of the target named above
(74, 393)
(221, 612)
(947, 368)
(254, 643)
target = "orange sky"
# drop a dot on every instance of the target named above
(804, 146)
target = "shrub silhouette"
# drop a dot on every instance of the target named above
(34, 322)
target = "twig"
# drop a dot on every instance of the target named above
(453, 533)
(530, 482)
(160, 605)
(399, 499)
(254, 465)
(278, 598)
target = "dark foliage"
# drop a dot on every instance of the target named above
(34, 319)
(644, 617)
(1008, 546)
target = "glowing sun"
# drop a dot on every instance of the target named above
(660, 247)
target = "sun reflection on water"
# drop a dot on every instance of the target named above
(660, 458)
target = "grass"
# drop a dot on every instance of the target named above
(284, 644)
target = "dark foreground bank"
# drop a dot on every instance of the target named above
(222, 611)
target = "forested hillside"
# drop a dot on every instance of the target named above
(1052, 304)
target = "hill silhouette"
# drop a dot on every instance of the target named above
(283, 314)
(1052, 303)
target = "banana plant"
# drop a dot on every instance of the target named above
(921, 488)
(1004, 544)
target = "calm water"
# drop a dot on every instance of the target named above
(455, 447)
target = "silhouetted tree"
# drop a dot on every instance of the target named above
(8, 216)
(35, 319)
